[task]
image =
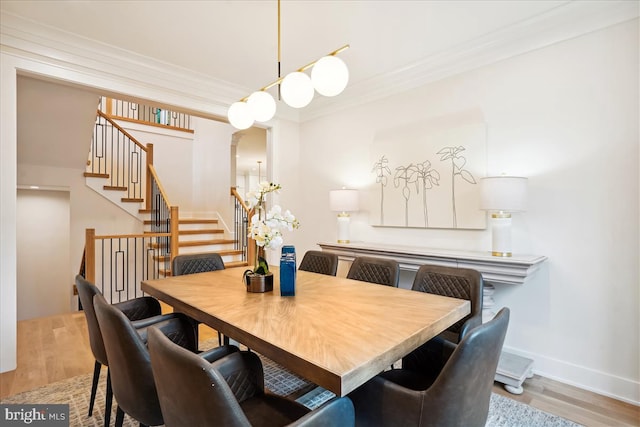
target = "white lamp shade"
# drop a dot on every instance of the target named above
(262, 105)
(297, 90)
(330, 75)
(345, 200)
(239, 115)
(503, 193)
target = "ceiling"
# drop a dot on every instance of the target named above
(235, 41)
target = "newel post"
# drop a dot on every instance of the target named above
(252, 248)
(175, 225)
(90, 255)
(147, 199)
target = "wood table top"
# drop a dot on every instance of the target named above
(336, 332)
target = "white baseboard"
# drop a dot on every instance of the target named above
(618, 388)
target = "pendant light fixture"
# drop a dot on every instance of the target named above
(329, 77)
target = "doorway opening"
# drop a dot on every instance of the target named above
(249, 164)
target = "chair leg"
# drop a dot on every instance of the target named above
(119, 417)
(94, 385)
(219, 339)
(108, 401)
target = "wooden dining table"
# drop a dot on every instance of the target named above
(336, 332)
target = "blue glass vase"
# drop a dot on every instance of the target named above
(288, 271)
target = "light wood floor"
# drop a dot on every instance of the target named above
(55, 348)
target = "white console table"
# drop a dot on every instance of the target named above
(513, 369)
(505, 270)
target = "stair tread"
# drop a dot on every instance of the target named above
(191, 221)
(96, 175)
(205, 242)
(131, 200)
(203, 231)
(197, 221)
(114, 188)
(190, 232)
(196, 243)
(224, 252)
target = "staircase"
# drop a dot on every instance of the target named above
(121, 170)
(202, 235)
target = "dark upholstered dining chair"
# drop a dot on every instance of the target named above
(450, 386)
(228, 392)
(129, 363)
(197, 263)
(463, 283)
(320, 262)
(375, 270)
(143, 311)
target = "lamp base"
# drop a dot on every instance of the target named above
(501, 254)
(501, 234)
(343, 227)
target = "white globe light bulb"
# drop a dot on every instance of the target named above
(262, 105)
(330, 75)
(239, 115)
(297, 90)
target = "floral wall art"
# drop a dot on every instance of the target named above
(427, 174)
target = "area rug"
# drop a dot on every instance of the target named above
(503, 412)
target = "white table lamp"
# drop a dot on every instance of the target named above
(502, 195)
(343, 201)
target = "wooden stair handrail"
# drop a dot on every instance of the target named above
(251, 246)
(117, 126)
(173, 211)
(152, 170)
(235, 194)
(89, 254)
(131, 236)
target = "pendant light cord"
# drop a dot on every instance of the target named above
(279, 50)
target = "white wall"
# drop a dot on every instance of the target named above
(87, 208)
(194, 169)
(211, 171)
(43, 241)
(172, 160)
(566, 117)
(8, 136)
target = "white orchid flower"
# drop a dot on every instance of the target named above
(276, 242)
(266, 227)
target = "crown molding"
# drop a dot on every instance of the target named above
(567, 21)
(75, 54)
(117, 68)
